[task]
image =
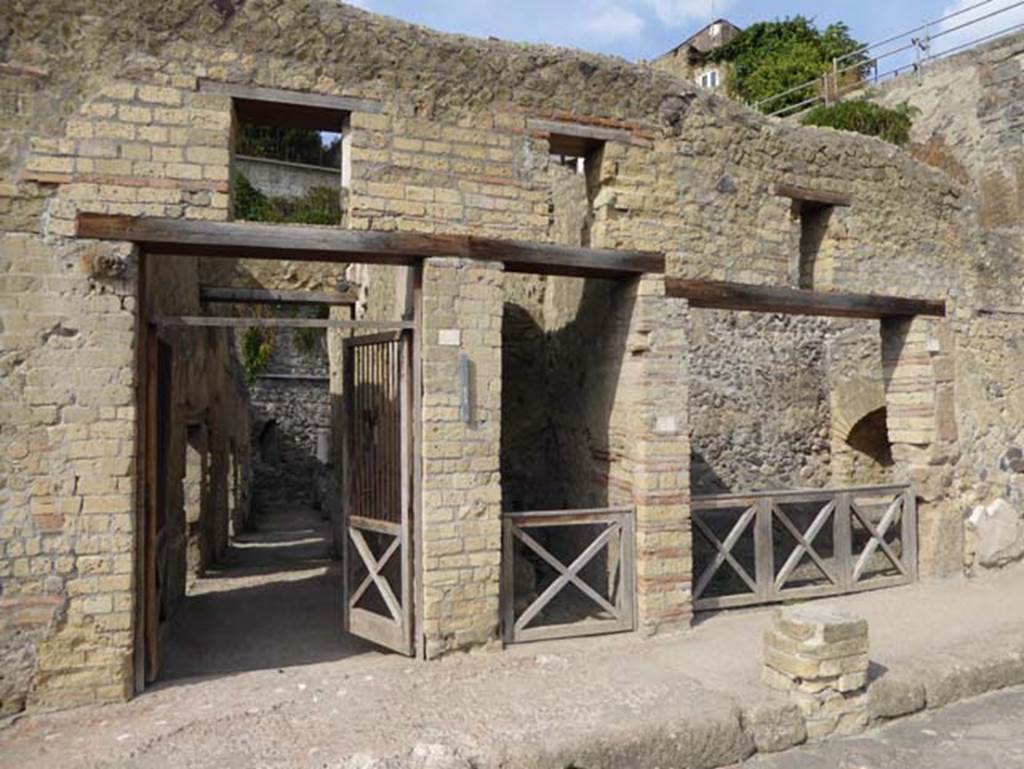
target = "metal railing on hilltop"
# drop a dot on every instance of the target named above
(871, 64)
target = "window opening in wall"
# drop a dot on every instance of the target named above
(709, 79)
(814, 219)
(572, 201)
(288, 163)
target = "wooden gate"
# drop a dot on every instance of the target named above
(777, 545)
(378, 601)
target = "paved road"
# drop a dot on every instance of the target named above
(984, 733)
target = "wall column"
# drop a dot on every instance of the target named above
(461, 478)
(918, 371)
(656, 379)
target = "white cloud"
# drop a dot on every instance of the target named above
(1003, 17)
(676, 13)
(613, 22)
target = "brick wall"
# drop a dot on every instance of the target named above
(461, 547)
(119, 124)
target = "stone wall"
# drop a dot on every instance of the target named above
(970, 125)
(290, 409)
(450, 151)
(208, 425)
(759, 402)
(67, 464)
(277, 178)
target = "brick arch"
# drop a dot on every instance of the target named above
(853, 401)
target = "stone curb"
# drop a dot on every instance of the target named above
(728, 736)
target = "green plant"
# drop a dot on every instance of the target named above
(249, 203)
(310, 343)
(320, 205)
(257, 350)
(770, 57)
(893, 125)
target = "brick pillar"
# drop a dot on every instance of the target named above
(918, 373)
(655, 378)
(461, 479)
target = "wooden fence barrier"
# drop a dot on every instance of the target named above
(773, 546)
(608, 532)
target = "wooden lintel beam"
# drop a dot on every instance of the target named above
(808, 195)
(231, 295)
(550, 259)
(209, 321)
(580, 131)
(256, 240)
(291, 98)
(723, 295)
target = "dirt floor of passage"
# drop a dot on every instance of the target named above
(273, 601)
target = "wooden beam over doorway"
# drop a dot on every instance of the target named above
(258, 240)
(723, 295)
(231, 295)
(209, 321)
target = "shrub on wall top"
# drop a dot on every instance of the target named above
(866, 117)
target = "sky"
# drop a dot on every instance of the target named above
(644, 29)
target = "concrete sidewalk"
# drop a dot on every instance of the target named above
(690, 700)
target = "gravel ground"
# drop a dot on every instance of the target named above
(260, 675)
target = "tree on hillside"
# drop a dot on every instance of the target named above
(770, 57)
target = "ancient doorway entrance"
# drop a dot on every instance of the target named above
(378, 557)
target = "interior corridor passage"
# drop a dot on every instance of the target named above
(273, 600)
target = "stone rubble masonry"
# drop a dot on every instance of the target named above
(969, 125)
(818, 655)
(119, 125)
(461, 547)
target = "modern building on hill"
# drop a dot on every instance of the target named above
(690, 59)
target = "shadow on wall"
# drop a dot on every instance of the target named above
(560, 448)
(704, 479)
(284, 468)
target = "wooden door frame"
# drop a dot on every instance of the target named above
(148, 334)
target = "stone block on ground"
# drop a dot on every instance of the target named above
(892, 696)
(774, 725)
(818, 656)
(998, 533)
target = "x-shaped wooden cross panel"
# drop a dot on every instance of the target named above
(374, 567)
(724, 554)
(566, 574)
(804, 544)
(878, 538)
